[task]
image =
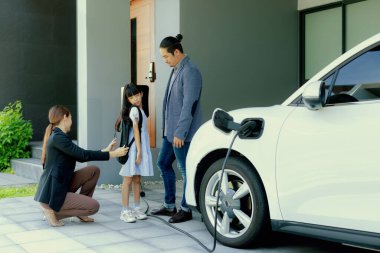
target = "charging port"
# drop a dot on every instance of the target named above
(252, 128)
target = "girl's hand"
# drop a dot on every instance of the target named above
(110, 146)
(138, 158)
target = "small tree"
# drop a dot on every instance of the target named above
(15, 134)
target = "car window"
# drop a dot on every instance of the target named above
(328, 82)
(359, 80)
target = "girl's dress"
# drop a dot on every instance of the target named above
(145, 168)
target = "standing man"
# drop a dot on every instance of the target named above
(181, 119)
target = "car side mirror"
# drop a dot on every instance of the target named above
(313, 95)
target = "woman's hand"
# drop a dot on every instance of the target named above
(110, 146)
(122, 151)
(138, 158)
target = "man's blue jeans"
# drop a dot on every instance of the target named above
(168, 154)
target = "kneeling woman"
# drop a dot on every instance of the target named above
(59, 182)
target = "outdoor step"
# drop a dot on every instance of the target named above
(31, 168)
(36, 147)
(28, 168)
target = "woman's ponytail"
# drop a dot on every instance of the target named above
(56, 114)
(48, 131)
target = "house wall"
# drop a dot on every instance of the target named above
(247, 53)
(103, 67)
(166, 19)
(38, 58)
(247, 50)
(167, 23)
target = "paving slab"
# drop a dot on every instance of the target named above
(14, 180)
(22, 229)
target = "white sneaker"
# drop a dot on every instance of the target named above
(127, 216)
(139, 215)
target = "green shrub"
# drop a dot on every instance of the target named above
(15, 134)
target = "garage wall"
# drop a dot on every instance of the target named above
(38, 58)
(247, 50)
(166, 24)
(103, 67)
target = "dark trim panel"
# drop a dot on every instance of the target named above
(341, 235)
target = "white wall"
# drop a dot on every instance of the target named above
(103, 66)
(167, 23)
(82, 72)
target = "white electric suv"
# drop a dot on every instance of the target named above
(308, 166)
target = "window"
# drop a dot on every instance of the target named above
(323, 40)
(330, 30)
(362, 21)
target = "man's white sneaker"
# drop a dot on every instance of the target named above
(139, 215)
(127, 216)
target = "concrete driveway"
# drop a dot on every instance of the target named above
(23, 230)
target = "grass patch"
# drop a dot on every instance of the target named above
(9, 171)
(22, 191)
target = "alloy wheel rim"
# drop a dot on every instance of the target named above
(235, 209)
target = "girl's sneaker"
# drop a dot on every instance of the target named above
(139, 215)
(128, 216)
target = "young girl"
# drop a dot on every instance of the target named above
(139, 162)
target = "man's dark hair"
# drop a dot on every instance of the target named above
(172, 43)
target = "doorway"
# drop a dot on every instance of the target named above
(143, 55)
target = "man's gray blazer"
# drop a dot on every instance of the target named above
(182, 104)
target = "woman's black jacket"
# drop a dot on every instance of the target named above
(61, 156)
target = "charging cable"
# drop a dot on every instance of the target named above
(219, 187)
(225, 123)
(216, 208)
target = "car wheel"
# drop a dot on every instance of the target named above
(242, 213)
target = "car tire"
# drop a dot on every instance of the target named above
(242, 211)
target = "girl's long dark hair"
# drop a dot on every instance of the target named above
(130, 89)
